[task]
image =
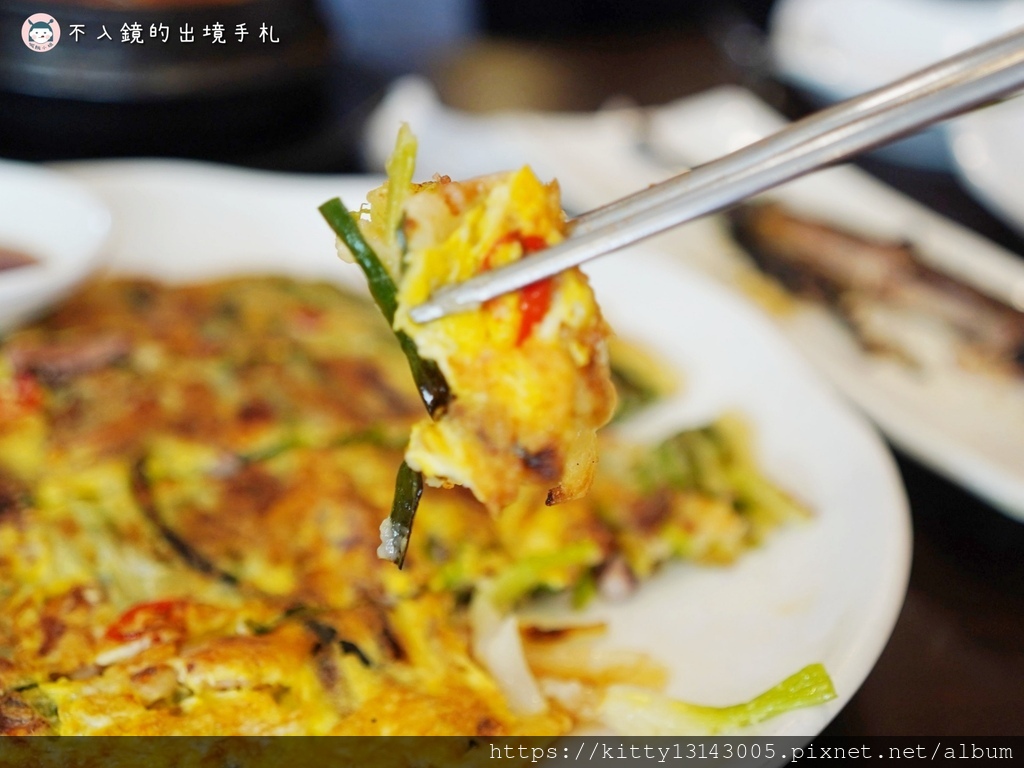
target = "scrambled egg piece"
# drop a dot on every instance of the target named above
(528, 371)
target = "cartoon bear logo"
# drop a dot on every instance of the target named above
(40, 32)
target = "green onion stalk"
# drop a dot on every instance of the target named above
(430, 381)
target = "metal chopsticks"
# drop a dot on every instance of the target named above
(948, 88)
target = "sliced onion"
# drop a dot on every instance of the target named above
(498, 646)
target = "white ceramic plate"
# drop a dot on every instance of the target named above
(826, 591)
(989, 156)
(969, 428)
(50, 218)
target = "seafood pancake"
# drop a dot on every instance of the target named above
(191, 480)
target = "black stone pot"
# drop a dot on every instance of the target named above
(104, 98)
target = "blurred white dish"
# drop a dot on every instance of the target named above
(836, 49)
(828, 591)
(989, 152)
(968, 426)
(48, 217)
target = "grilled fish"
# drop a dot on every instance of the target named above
(892, 300)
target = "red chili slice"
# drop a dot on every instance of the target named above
(531, 243)
(27, 391)
(534, 303)
(308, 318)
(534, 299)
(149, 619)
